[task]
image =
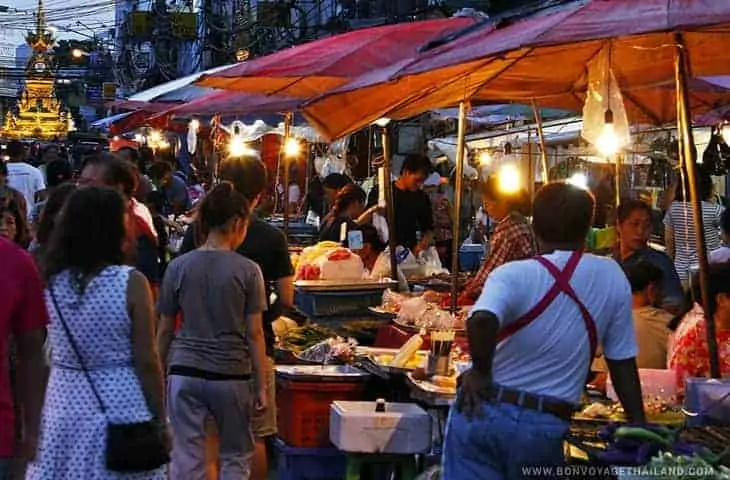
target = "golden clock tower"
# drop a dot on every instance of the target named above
(40, 114)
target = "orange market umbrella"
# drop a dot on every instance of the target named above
(544, 58)
(315, 67)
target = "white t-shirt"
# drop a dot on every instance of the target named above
(550, 356)
(27, 180)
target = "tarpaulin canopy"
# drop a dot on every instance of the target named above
(168, 89)
(543, 57)
(315, 67)
(234, 103)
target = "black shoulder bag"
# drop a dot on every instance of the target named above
(130, 447)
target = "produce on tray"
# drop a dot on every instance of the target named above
(329, 261)
(420, 312)
(301, 338)
(407, 351)
(415, 362)
(656, 410)
(667, 466)
(282, 325)
(333, 349)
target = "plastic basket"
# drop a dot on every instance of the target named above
(303, 409)
(309, 463)
(707, 401)
(329, 304)
(470, 257)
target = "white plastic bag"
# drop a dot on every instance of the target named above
(604, 94)
(381, 225)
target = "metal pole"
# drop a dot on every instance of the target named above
(287, 134)
(690, 163)
(458, 193)
(530, 167)
(541, 138)
(389, 207)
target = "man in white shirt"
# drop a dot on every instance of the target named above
(532, 335)
(23, 177)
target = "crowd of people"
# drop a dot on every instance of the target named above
(138, 338)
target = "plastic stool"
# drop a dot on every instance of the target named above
(406, 464)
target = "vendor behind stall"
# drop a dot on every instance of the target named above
(346, 210)
(512, 239)
(376, 257)
(532, 337)
(411, 205)
(633, 222)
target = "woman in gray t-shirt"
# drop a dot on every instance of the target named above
(219, 343)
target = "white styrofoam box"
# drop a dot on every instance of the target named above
(655, 383)
(403, 428)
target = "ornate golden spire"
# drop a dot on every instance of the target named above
(41, 40)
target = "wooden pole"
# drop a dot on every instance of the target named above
(288, 118)
(690, 163)
(389, 207)
(458, 193)
(617, 180)
(541, 138)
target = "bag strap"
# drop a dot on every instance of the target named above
(75, 348)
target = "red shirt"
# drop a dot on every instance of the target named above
(22, 310)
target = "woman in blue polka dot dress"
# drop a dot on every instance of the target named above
(109, 312)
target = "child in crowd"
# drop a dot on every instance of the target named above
(722, 254)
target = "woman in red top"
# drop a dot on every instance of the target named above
(690, 356)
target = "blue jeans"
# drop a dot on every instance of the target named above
(501, 443)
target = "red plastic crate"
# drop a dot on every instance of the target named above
(303, 409)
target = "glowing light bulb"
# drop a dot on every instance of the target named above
(138, 137)
(115, 138)
(291, 147)
(238, 147)
(155, 137)
(607, 143)
(195, 124)
(485, 158)
(509, 179)
(382, 122)
(579, 180)
(78, 53)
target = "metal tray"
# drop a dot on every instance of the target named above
(429, 393)
(381, 312)
(342, 286)
(374, 352)
(321, 373)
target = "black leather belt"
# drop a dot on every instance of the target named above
(562, 410)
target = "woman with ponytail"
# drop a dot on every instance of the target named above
(219, 348)
(346, 209)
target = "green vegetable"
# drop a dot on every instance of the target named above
(641, 434)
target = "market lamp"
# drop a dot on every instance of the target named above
(292, 148)
(579, 180)
(508, 179)
(382, 122)
(238, 147)
(485, 158)
(608, 143)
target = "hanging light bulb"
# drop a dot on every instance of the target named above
(238, 147)
(579, 180)
(608, 143)
(291, 147)
(485, 158)
(382, 122)
(508, 178)
(155, 137)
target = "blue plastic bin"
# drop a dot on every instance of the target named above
(709, 399)
(330, 304)
(470, 257)
(309, 463)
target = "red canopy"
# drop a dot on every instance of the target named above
(233, 103)
(542, 57)
(315, 67)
